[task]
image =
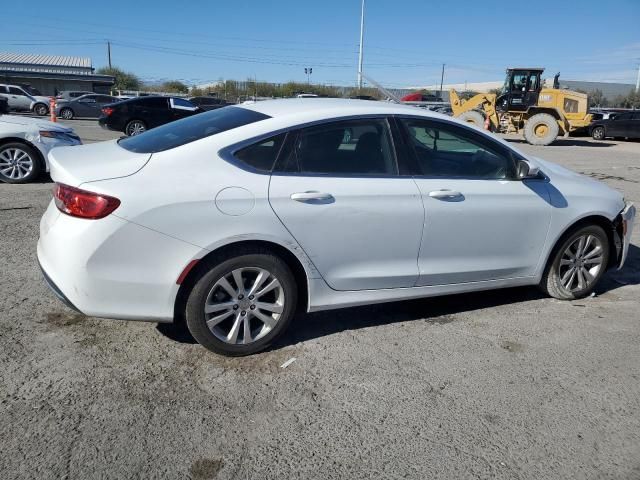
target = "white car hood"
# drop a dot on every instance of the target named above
(36, 123)
(96, 161)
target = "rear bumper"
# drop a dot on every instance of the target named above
(110, 267)
(56, 291)
(628, 216)
(103, 122)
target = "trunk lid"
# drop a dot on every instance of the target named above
(97, 161)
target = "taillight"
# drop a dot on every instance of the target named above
(83, 204)
(107, 111)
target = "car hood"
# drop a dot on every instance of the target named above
(97, 161)
(35, 123)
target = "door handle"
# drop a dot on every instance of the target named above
(445, 194)
(309, 196)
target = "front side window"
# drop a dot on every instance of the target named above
(17, 91)
(261, 156)
(358, 147)
(190, 129)
(443, 150)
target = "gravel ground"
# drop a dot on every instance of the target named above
(505, 384)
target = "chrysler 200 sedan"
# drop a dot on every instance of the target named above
(236, 218)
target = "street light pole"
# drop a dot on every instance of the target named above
(361, 47)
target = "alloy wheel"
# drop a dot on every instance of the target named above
(581, 263)
(15, 163)
(135, 128)
(67, 114)
(244, 305)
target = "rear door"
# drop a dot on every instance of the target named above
(619, 126)
(87, 106)
(18, 99)
(633, 131)
(153, 111)
(337, 189)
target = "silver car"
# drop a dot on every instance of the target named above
(21, 99)
(87, 106)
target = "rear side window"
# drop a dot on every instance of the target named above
(358, 147)
(153, 102)
(261, 156)
(190, 129)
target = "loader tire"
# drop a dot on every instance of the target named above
(541, 129)
(472, 116)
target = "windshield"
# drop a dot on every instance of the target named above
(190, 129)
(32, 91)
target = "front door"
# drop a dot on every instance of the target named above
(480, 222)
(620, 125)
(19, 100)
(337, 190)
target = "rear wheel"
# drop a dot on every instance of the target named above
(19, 163)
(66, 113)
(243, 304)
(578, 264)
(598, 133)
(472, 116)
(135, 127)
(541, 129)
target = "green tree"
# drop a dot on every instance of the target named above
(124, 80)
(174, 86)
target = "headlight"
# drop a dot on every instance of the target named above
(66, 136)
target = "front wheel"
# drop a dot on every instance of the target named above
(578, 264)
(66, 113)
(19, 163)
(541, 129)
(598, 133)
(243, 304)
(41, 109)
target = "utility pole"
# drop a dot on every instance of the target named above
(308, 72)
(109, 52)
(441, 81)
(361, 47)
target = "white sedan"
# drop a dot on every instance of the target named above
(25, 144)
(235, 219)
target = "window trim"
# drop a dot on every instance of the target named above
(228, 153)
(497, 147)
(249, 168)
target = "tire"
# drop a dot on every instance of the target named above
(474, 117)
(541, 129)
(554, 281)
(231, 308)
(66, 113)
(135, 127)
(598, 133)
(41, 109)
(19, 163)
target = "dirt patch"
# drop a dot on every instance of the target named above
(513, 347)
(205, 468)
(64, 319)
(604, 176)
(265, 362)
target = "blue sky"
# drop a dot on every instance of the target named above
(406, 41)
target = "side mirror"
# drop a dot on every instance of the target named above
(527, 170)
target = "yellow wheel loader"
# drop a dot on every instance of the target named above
(525, 105)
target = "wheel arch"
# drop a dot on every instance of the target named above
(551, 111)
(245, 246)
(5, 140)
(609, 226)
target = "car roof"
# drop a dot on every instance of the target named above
(332, 107)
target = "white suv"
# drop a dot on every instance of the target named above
(20, 99)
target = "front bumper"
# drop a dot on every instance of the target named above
(628, 216)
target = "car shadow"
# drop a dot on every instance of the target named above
(568, 142)
(434, 310)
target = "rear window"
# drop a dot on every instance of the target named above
(190, 129)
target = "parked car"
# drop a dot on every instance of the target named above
(208, 103)
(136, 115)
(234, 219)
(88, 106)
(4, 105)
(71, 94)
(25, 143)
(624, 125)
(20, 99)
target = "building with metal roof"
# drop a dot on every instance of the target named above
(51, 74)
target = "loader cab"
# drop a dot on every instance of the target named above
(521, 89)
